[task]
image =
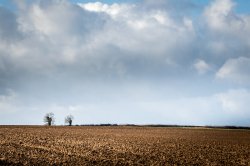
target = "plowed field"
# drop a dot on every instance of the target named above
(34, 145)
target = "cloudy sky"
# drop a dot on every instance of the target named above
(141, 62)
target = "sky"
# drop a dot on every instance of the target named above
(184, 62)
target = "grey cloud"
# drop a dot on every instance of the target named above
(62, 36)
(59, 33)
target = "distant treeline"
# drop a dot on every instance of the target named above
(98, 125)
(161, 125)
(229, 127)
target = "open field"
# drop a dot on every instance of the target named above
(34, 145)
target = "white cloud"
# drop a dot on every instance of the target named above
(114, 10)
(235, 70)
(218, 13)
(224, 22)
(201, 66)
(235, 102)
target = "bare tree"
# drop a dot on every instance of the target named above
(69, 120)
(49, 118)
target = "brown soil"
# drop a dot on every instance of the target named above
(34, 145)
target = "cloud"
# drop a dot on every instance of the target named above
(201, 66)
(89, 56)
(96, 37)
(226, 42)
(112, 10)
(8, 25)
(8, 102)
(135, 19)
(227, 26)
(219, 14)
(121, 38)
(235, 102)
(235, 70)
